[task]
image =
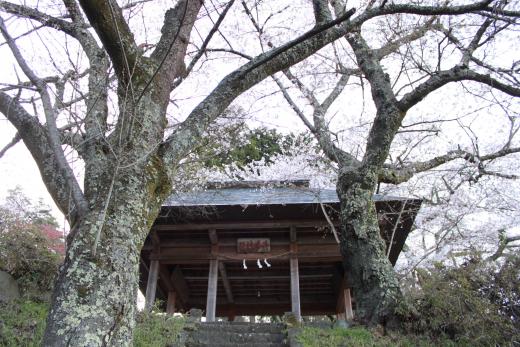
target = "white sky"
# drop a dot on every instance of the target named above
(17, 168)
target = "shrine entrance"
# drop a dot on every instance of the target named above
(257, 248)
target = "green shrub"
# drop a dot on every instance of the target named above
(319, 337)
(30, 246)
(476, 304)
(157, 330)
(22, 323)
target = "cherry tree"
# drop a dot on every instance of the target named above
(109, 102)
(394, 64)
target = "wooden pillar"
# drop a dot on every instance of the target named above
(295, 277)
(211, 302)
(231, 313)
(344, 304)
(170, 305)
(151, 285)
(295, 288)
(349, 314)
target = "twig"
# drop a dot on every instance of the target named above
(334, 232)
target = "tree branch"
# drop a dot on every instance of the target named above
(395, 175)
(13, 142)
(424, 10)
(43, 18)
(205, 44)
(503, 242)
(321, 11)
(392, 46)
(34, 136)
(52, 134)
(177, 26)
(242, 79)
(456, 74)
(107, 19)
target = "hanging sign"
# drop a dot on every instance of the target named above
(253, 245)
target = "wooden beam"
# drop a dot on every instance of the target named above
(170, 305)
(306, 300)
(211, 301)
(151, 285)
(199, 261)
(242, 225)
(266, 277)
(225, 281)
(231, 241)
(171, 255)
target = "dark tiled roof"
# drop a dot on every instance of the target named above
(267, 195)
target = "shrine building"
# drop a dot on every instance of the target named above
(258, 248)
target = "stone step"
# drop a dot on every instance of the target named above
(192, 344)
(241, 327)
(228, 334)
(240, 323)
(214, 337)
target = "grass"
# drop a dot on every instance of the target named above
(157, 330)
(22, 323)
(362, 337)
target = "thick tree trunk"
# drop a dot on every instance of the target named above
(95, 296)
(368, 270)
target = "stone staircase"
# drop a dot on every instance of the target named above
(231, 334)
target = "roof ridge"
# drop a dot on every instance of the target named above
(302, 183)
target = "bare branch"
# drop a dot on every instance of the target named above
(242, 79)
(481, 6)
(319, 128)
(321, 11)
(34, 136)
(232, 51)
(13, 142)
(395, 175)
(393, 46)
(52, 134)
(456, 74)
(503, 243)
(43, 18)
(204, 46)
(293, 105)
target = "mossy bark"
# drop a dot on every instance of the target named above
(95, 296)
(368, 270)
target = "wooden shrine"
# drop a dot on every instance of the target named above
(257, 248)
